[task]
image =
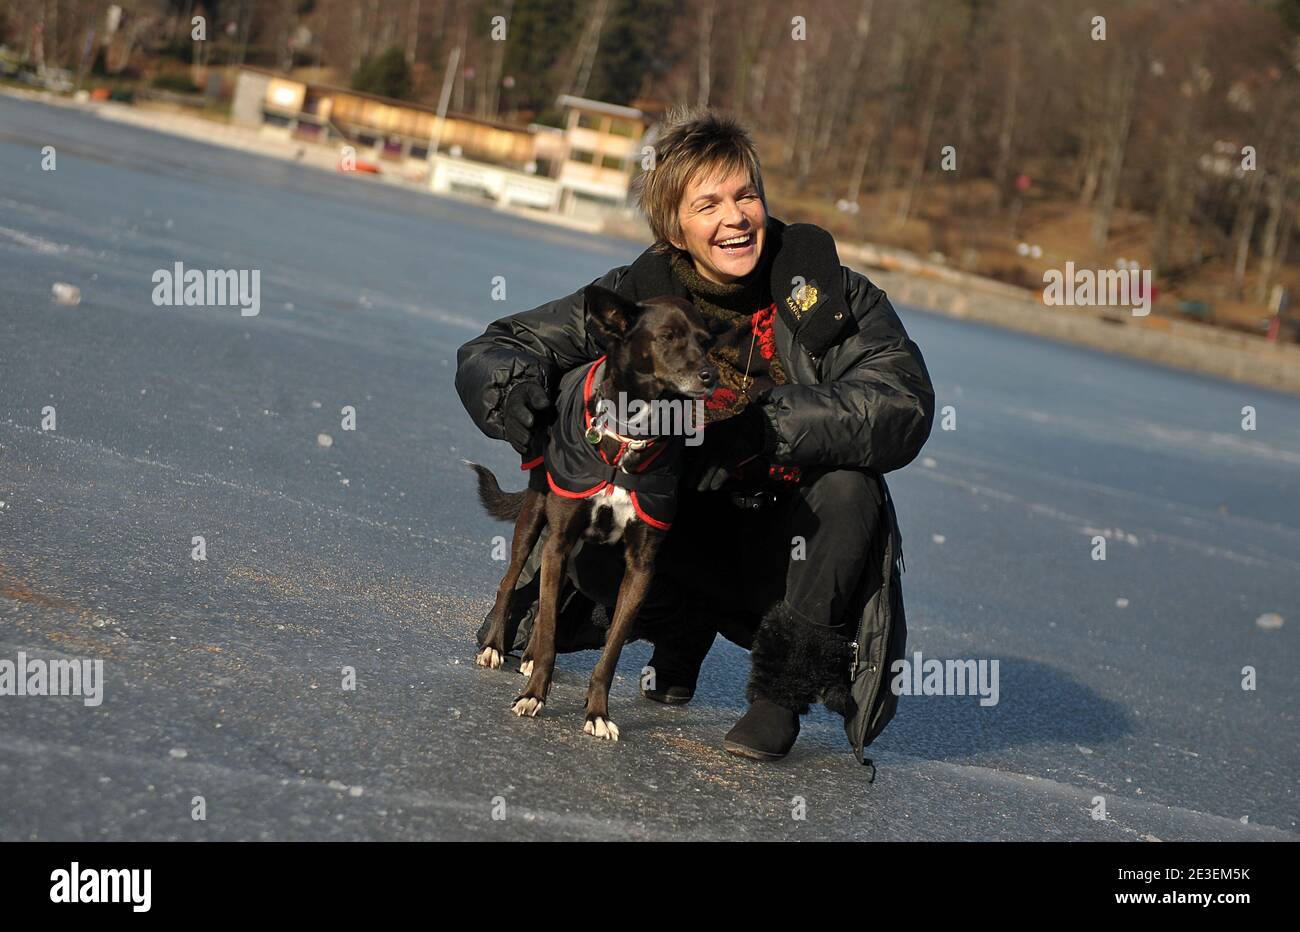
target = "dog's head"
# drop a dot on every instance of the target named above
(656, 348)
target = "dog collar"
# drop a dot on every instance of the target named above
(594, 431)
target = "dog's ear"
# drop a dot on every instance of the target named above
(611, 314)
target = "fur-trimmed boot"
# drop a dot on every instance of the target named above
(794, 663)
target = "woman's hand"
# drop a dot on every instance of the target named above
(728, 445)
(526, 413)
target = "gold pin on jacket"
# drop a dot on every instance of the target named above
(801, 299)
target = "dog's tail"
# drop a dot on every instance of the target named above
(504, 506)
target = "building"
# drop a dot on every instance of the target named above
(390, 130)
(603, 144)
(584, 169)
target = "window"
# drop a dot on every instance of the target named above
(622, 128)
(589, 121)
(612, 161)
(583, 156)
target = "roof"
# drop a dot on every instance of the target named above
(390, 101)
(600, 106)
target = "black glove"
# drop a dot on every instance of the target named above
(728, 444)
(526, 413)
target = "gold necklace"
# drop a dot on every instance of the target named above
(744, 380)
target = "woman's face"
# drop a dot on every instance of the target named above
(714, 210)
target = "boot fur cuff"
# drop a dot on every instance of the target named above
(795, 662)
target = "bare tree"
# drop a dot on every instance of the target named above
(1123, 92)
(705, 45)
(922, 148)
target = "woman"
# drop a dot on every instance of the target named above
(785, 540)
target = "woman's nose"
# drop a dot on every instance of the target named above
(734, 216)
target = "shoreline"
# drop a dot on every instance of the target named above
(908, 281)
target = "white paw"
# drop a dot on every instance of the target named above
(526, 668)
(601, 728)
(527, 705)
(489, 657)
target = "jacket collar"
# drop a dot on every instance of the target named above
(806, 283)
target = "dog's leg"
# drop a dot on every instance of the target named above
(526, 658)
(566, 519)
(528, 527)
(641, 545)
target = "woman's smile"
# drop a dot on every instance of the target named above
(741, 244)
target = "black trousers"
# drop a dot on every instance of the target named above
(782, 580)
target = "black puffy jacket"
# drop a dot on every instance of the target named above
(859, 396)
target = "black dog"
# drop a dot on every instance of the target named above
(606, 477)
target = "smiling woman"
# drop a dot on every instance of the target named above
(722, 224)
(707, 201)
(785, 539)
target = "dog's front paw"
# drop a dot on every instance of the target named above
(601, 727)
(527, 705)
(489, 657)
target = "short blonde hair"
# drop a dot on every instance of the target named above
(691, 140)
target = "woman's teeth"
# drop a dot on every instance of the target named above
(736, 243)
